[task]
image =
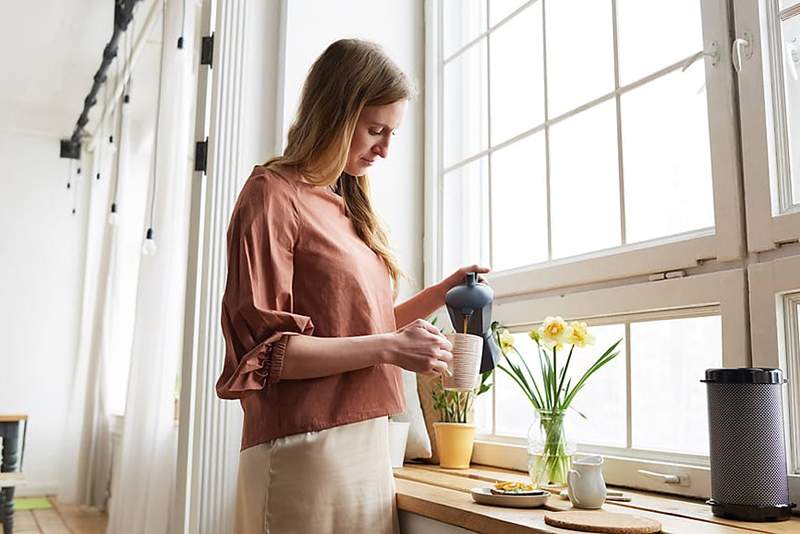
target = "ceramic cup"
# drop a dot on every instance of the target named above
(467, 352)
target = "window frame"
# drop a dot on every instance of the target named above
(687, 250)
(752, 315)
(774, 342)
(764, 166)
(725, 290)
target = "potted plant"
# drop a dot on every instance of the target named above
(454, 431)
(546, 384)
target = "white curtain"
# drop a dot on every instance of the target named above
(87, 445)
(143, 485)
(132, 303)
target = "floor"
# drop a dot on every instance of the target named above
(60, 519)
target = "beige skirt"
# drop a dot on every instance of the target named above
(335, 480)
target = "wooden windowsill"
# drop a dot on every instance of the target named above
(443, 495)
(13, 418)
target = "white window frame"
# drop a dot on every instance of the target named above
(615, 282)
(763, 130)
(774, 343)
(675, 252)
(722, 293)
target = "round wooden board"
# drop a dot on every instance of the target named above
(602, 521)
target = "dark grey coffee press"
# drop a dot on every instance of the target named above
(470, 305)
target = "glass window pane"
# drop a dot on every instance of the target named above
(580, 53)
(584, 182)
(514, 413)
(519, 204)
(517, 75)
(790, 41)
(465, 217)
(648, 35)
(603, 399)
(500, 9)
(465, 127)
(483, 413)
(667, 157)
(668, 360)
(462, 21)
(791, 349)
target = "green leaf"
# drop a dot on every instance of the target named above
(564, 372)
(607, 356)
(522, 386)
(530, 376)
(530, 382)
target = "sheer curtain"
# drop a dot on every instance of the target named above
(143, 486)
(133, 303)
(86, 469)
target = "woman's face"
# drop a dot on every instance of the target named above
(374, 131)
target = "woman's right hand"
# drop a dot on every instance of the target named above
(420, 347)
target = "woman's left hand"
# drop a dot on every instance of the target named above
(458, 277)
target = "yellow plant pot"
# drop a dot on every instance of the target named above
(454, 443)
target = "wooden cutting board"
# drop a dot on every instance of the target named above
(602, 521)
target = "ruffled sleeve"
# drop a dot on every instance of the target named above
(257, 308)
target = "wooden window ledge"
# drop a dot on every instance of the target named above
(444, 495)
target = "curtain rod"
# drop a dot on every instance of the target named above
(123, 14)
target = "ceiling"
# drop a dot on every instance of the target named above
(50, 50)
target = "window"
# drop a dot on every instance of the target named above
(787, 99)
(791, 336)
(769, 80)
(775, 338)
(588, 153)
(666, 355)
(646, 406)
(553, 110)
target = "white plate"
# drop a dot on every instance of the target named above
(485, 496)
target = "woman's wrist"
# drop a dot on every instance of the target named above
(384, 348)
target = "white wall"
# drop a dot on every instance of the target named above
(41, 263)
(397, 182)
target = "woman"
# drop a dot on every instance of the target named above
(313, 349)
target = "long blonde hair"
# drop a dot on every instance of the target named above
(349, 75)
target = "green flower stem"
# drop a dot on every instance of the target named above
(553, 463)
(551, 400)
(532, 380)
(601, 361)
(564, 372)
(553, 382)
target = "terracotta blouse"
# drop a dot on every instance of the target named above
(296, 266)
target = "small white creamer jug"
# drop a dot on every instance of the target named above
(587, 489)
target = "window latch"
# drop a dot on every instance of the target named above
(712, 51)
(668, 275)
(666, 478)
(739, 44)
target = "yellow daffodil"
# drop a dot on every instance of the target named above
(554, 332)
(506, 340)
(580, 334)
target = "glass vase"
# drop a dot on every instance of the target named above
(549, 449)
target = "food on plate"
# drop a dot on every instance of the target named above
(514, 488)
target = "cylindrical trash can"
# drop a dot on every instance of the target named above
(747, 455)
